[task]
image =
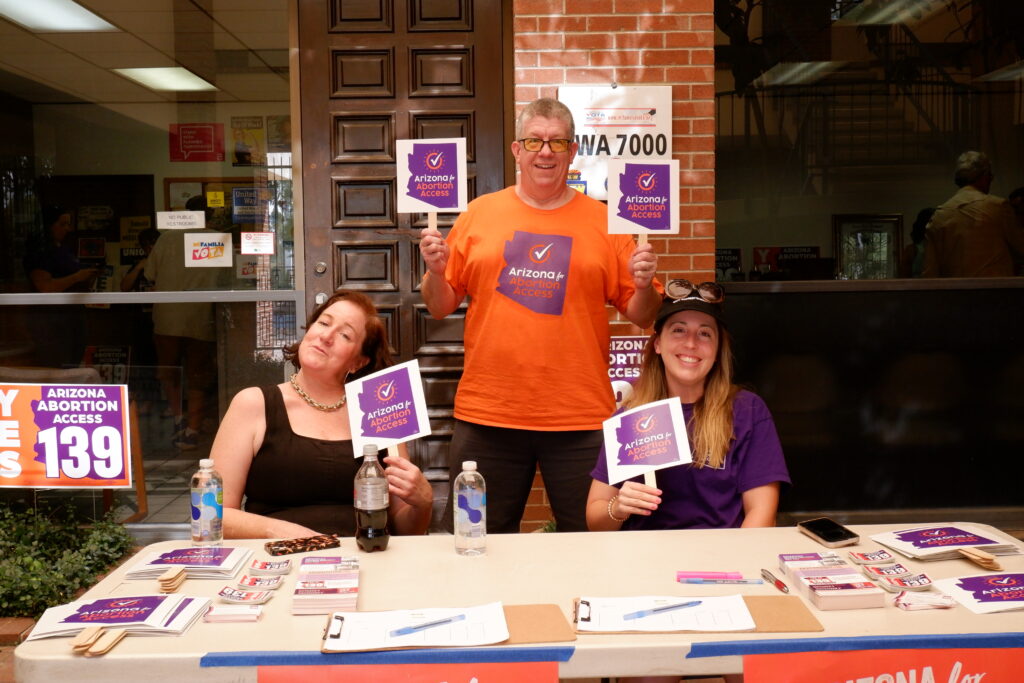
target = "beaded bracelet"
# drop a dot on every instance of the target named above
(612, 502)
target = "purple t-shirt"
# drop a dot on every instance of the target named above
(708, 498)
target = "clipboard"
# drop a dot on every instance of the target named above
(771, 613)
(527, 624)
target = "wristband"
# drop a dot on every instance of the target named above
(614, 518)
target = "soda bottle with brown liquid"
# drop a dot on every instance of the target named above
(371, 503)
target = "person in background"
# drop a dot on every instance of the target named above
(135, 279)
(738, 467)
(287, 448)
(974, 233)
(184, 334)
(539, 268)
(912, 258)
(58, 332)
(142, 380)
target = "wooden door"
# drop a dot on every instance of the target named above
(372, 72)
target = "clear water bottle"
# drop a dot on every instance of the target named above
(207, 505)
(371, 503)
(470, 498)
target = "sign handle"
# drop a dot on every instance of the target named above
(432, 220)
(649, 480)
(641, 239)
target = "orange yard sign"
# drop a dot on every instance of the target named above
(64, 435)
(982, 665)
(480, 672)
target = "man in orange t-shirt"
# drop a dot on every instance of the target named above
(539, 267)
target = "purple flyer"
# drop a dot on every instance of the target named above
(431, 175)
(195, 557)
(645, 200)
(387, 407)
(994, 588)
(116, 610)
(939, 537)
(536, 271)
(645, 439)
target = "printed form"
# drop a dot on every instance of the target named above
(434, 627)
(660, 613)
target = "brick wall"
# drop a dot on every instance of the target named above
(633, 42)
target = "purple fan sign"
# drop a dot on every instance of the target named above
(645, 199)
(938, 537)
(537, 271)
(434, 174)
(115, 610)
(646, 438)
(994, 588)
(387, 405)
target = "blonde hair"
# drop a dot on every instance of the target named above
(711, 425)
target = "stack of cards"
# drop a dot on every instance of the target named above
(326, 584)
(881, 556)
(269, 567)
(210, 562)
(263, 583)
(908, 582)
(233, 613)
(242, 597)
(829, 582)
(942, 542)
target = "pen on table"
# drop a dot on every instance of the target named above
(770, 578)
(406, 630)
(658, 610)
(694, 579)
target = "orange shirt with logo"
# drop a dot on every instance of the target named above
(536, 332)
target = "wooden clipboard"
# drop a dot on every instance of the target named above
(527, 625)
(771, 613)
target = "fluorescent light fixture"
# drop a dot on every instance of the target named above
(44, 16)
(883, 12)
(171, 78)
(1011, 72)
(796, 73)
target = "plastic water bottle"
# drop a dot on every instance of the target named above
(371, 503)
(470, 499)
(207, 505)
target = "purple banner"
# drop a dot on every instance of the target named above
(937, 537)
(536, 272)
(994, 588)
(115, 610)
(87, 423)
(646, 438)
(195, 557)
(434, 174)
(387, 406)
(645, 199)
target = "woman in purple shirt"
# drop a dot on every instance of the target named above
(738, 466)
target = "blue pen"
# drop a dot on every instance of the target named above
(658, 610)
(406, 630)
(698, 580)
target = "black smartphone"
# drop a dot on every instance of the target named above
(827, 532)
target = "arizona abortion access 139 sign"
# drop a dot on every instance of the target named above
(64, 435)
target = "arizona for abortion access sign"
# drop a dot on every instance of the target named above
(645, 439)
(388, 407)
(431, 175)
(63, 435)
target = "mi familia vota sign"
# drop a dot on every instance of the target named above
(623, 121)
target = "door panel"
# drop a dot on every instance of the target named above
(372, 72)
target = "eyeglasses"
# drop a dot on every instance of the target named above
(684, 289)
(557, 145)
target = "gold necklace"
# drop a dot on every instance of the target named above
(313, 402)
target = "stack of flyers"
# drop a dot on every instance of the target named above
(881, 556)
(264, 583)
(941, 541)
(908, 582)
(208, 562)
(882, 570)
(242, 597)
(829, 582)
(269, 567)
(326, 584)
(986, 593)
(233, 613)
(140, 615)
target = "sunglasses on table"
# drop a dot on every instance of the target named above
(710, 292)
(557, 145)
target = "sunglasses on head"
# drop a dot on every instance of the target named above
(556, 145)
(710, 292)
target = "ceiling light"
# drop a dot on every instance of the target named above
(172, 78)
(796, 73)
(45, 16)
(1011, 72)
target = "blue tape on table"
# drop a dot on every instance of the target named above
(928, 641)
(414, 656)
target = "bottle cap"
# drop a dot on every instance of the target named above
(369, 449)
(469, 465)
(206, 463)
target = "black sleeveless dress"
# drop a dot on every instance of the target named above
(301, 479)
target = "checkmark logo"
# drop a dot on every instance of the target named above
(646, 181)
(1003, 581)
(540, 254)
(435, 160)
(645, 424)
(386, 391)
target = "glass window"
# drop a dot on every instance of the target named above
(835, 108)
(146, 225)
